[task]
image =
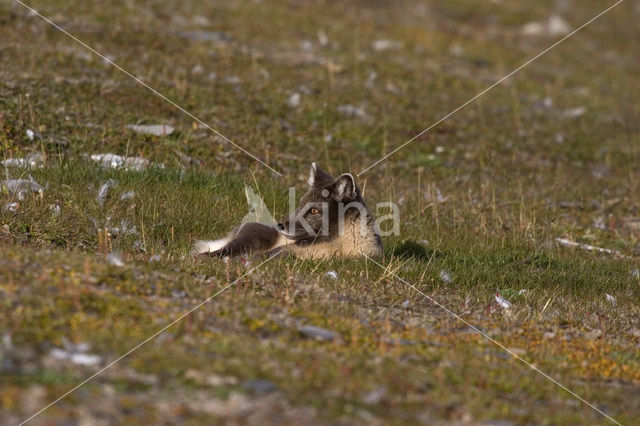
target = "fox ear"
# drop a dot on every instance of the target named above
(318, 177)
(312, 175)
(344, 188)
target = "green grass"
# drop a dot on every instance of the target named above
(515, 172)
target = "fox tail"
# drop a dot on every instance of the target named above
(200, 246)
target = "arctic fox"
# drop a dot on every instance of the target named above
(331, 220)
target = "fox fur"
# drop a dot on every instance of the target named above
(331, 220)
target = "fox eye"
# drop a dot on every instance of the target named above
(314, 211)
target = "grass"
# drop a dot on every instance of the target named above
(483, 198)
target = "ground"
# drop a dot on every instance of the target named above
(94, 259)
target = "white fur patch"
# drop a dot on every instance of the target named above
(312, 175)
(201, 246)
(342, 186)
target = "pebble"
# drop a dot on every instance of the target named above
(259, 386)
(78, 358)
(554, 26)
(502, 301)
(445, 276)
(152, 129)
(20, 187)
(574, 112)
(201, 35)
(332, 274)
(12, 207)
(114, 161)
(317, 333)
(375, 396)
(352, 111)
(29, 161)
(128, 195)
(384, 44)
(55, 209)
(611, 299)
(115, 259)
(294, 100)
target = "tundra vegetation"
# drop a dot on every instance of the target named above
(94, 258)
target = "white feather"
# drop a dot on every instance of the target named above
(201, 246)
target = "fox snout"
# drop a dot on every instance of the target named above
(296, 228)
(283, 228)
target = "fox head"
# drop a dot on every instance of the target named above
(324, 209)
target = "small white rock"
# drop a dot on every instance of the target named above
(352, 111)
(20, 187)
(7, 342)
(55, 209)
(371, 80)
(445, 276)
(502, 301)
(232, 79)
(557, 26)
(294, 100)
(306, 45)
(375, 396)
(129, 195)
(58, 353)
(533, 29)
(599, 223)
(108, 59)
(12, 207)
(86, 359)
(554, 26)
(152, 129)
(108, 161)
(456, 50)
(322, 38)
(78, 358)
(332, 274)
(30, 161)
(574, 112)
(115, 259)
(114, 161)
(384, 44)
